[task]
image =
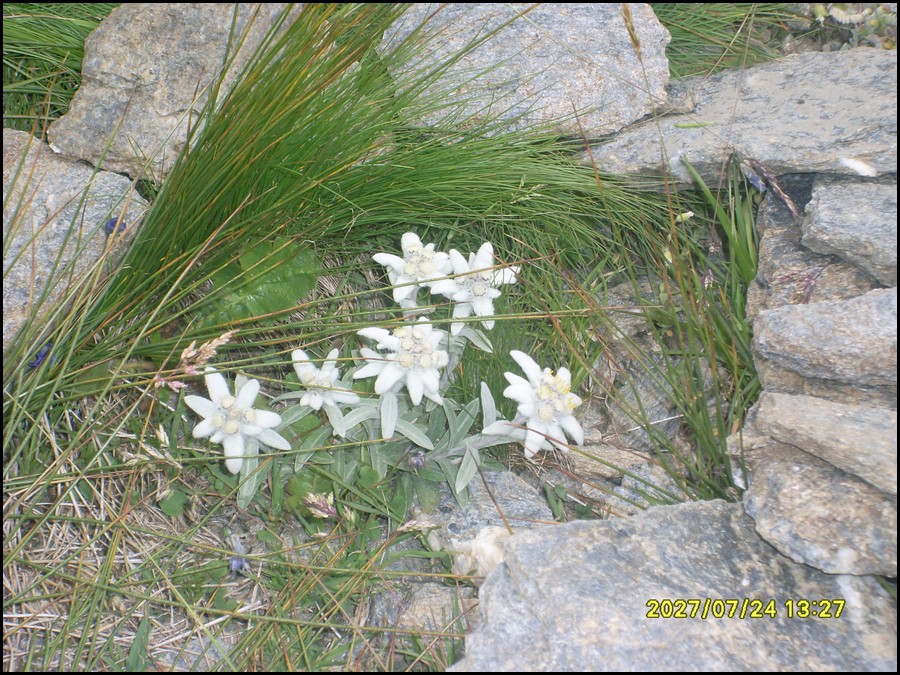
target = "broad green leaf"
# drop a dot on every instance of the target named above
(316, 440)
(173, 503)
(450, 470)
(437, 424)
(266, 537)
(368, 478)
(379, 461)
(269, 280)
(429, 494)
(401, 501)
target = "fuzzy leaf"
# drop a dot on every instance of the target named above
(488, 407)
(336, 419)
(467, 470)
(359, 415)
(477, 338)
(389, 413)
(415, 434)
(250, 477)
(462, 422)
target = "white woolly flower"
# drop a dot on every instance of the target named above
(232, 420)
(474, 286)
(411, 356)
(546, 404)
(322, 388)
(419, 265)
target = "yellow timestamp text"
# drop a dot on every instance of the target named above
(743, 608)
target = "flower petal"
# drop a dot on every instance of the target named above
(247, 395)
(234, 452)
(374, 333)
(389, 260)
(534, 441)
(531, 369)
(204, 429)
(519, 388)
(217, 386)
(202, 406)
(388, 377)
(416, 386)
(571, 426)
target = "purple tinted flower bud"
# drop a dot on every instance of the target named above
(111, 226)
(417, 460)
(239, 565)
(41, 355)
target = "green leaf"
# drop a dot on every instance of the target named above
(313, 442)
(477, 338)
(379, 461)
(137, 661)
(437, 424)
(429, 494)
(173, 503)
(221, 601)
(461, 423)
(450, 471)
(266, 537)
(298, 421)
(250, 476)
(368, 477)
(336, 419)
(269, 279)
(452, 423)
(359, 415)
(402, 499)
(415, 434)
(467, 470)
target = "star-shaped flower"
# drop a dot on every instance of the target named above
(322, 387)
(232, 420)
(412, 357)
(474, 286)
(419, 265)
(545, 405)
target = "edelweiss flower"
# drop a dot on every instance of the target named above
(418, 266)
(546, 404)
(413, 359)
(322, 388)
(232, 421)
(474, 288)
